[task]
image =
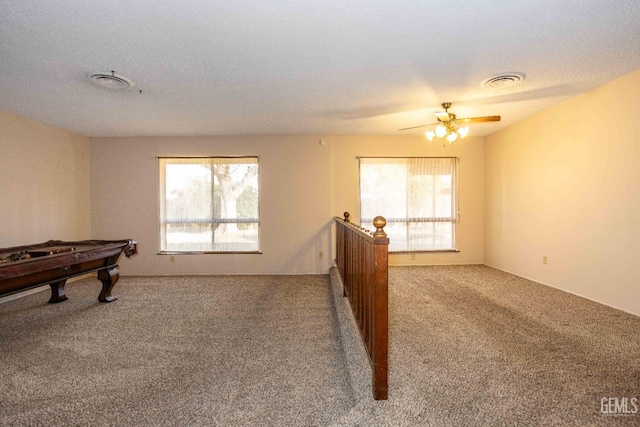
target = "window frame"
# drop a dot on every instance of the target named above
(454, 220)
(161, 202)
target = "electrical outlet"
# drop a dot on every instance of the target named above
(413, 257)
(172, 259)
(321, 255)
(544, 259)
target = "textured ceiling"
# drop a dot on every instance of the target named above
(303, 67)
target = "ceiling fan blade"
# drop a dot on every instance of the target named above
(479, 119)
(421, 126)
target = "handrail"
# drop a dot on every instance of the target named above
(362, 260)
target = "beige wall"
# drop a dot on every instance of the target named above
(295, 212)
(345, 187)
(303, 185)
(565, 183)
(44, 174)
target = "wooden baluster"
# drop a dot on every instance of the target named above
(368, 297)
(359, 291)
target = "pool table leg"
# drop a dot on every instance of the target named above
(57, 292)
(108, 277)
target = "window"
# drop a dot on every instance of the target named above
(417, 197)
(209, 204)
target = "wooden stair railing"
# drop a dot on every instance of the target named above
(363, 263)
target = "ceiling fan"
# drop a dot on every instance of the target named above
(447, 124)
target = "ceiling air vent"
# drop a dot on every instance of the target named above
(110, 80)
(503, 81)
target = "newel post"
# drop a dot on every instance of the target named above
(380, 353)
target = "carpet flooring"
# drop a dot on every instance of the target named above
(469, 346)
(175, 351)
(474, 346)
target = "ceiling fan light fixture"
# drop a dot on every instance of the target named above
(440, 131)
(448, 125)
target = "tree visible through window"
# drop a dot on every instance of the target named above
(209, 204)
(417, 197)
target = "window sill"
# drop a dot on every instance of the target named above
(208, 253)
(426, 252)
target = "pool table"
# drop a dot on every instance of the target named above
(53, 262)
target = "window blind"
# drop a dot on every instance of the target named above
(416, 195)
